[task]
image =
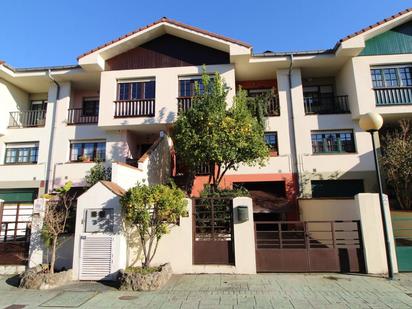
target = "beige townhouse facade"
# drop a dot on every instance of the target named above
(113, 105)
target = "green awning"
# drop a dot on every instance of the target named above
(18, 195)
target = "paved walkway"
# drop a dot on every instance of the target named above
(227, 291)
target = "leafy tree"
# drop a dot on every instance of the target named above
(397, 163)
(56, 214)
(152, 210)
(97, 173)
(223, 138)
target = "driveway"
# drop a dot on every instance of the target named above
(226, 291)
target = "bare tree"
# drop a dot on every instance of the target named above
(397, 162)
(55, 219)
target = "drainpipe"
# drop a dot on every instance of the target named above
(294, 157)
(49, 169)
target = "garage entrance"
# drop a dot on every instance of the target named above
(309, 246)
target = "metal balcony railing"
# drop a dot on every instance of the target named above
(393, 96)
(134, 108)
(77, 116)
(27, 119)
(327, 105)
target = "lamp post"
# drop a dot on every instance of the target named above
(372, 122)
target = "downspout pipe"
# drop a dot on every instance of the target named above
(294, 157)
(49, 169)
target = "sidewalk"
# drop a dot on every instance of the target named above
(227, 291)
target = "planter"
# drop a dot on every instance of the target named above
(136, 281)
(38, 278)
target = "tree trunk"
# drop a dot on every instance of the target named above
(53, 255)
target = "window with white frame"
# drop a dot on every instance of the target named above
(21, 153)
(87, 151)
(391, 77)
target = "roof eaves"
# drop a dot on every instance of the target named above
(170, 21)
(295, 53)
(379, 23)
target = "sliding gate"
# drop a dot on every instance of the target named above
(309, 246)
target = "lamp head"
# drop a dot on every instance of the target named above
(371, 122)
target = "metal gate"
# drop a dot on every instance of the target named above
(213, 231)
(402, 232)
(96, 257)
(309, 246)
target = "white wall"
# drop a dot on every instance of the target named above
(100, 197)
(166, 92)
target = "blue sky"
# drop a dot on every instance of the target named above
(55, 32)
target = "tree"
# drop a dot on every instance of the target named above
(223, 138)
(152, 210)
(397, 162)
(56, 214)
(97, 173)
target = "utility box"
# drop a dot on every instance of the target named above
(242, 213)
(99, 220)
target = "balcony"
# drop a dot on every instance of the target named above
(393, 96)
(327, 105)
(77, 116)
(27, 119)
(134, 108)
(185, 103)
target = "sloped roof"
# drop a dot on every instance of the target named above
(114, 187)
(172, 22)
(381, 22)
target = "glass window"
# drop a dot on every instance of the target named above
(271, 139)
(333, 141)
(90, 107)
(90, 151)
(187, 87)
(406, 76)
(391, 77)
(21, 153)
(136, 90)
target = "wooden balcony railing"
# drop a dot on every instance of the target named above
(134, 108)
(183, 104)
(327, 105)
(26, 119)
(76, 116)
(393, 96)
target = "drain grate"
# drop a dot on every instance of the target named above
(69, 299)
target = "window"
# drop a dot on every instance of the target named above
(21, 153)
(87, 151)
(90, 107)
(391, 77)
(132, 91)
(187, 86)
(314, 94)
(38, 105)
(333, 141)
(337, 188)
(271, 139)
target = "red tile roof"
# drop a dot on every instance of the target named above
(173, 22)
(114, 187)
(374, 25)
(1, 62)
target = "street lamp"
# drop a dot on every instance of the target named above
(372, 122)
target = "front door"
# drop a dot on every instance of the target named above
(213, 231)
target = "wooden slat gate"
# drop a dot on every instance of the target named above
(213, 231)
(309, 246)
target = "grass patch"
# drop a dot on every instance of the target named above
(143, 270)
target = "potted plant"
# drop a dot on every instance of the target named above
(150, 210)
